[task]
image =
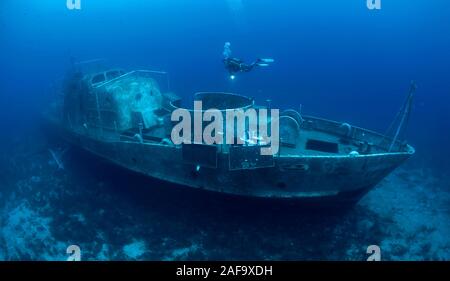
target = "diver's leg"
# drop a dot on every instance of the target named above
(246, 67)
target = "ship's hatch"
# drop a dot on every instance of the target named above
(248, 157)
(323, 146)
(200, 154)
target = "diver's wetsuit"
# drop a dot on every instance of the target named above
(234, 65)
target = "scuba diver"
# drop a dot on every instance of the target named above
(235, 65)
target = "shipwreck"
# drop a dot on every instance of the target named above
(125, 118)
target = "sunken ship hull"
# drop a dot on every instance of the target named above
(318, 160)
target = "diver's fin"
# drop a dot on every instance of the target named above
(267, 60)
(262, 64)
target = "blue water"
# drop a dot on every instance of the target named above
(338, 59)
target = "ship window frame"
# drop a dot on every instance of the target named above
(100, 81)
(239, 154)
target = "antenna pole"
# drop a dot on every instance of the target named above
(168, 82)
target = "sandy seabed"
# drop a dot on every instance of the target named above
(43, 210)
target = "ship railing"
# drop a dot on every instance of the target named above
(357, 135)
(351, 132)
(134, 72)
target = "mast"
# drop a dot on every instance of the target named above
(405, 113)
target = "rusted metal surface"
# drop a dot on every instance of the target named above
(291, 177)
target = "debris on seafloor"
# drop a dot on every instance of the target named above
(57, 157)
